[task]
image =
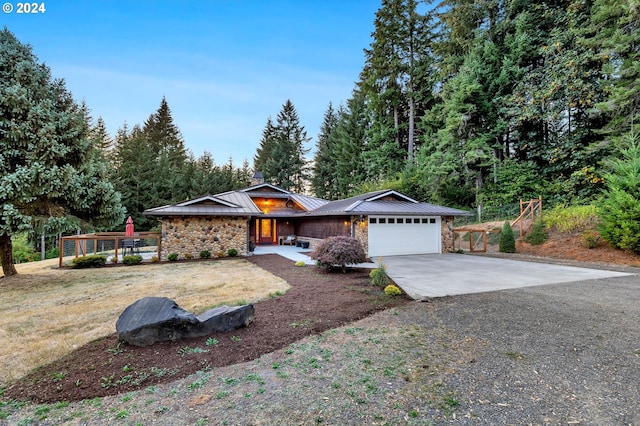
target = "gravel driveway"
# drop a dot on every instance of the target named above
(557, 354)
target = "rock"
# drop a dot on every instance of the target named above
(158, 319)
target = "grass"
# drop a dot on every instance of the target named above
(86, 303)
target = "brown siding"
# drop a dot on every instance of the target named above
(324, 227)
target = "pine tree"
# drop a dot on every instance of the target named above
(49, 173)
(264, 151)
(323, 177)
(285, 165)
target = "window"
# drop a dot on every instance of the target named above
(425, 220)
(407, 220)
(373, 220)
(416, 220)
(392, 220)
(432, 220)
(400, 220)
(382, 220)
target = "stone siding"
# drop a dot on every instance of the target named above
(361, 231)
(191, 235)
(448, 238)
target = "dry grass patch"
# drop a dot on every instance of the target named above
(48, 312)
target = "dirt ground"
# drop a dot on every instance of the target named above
(570, 246)
(316, 302)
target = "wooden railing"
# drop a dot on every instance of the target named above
(120, 240)
(529, 211)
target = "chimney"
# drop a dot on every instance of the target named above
(257, 178)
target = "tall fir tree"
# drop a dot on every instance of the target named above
(323, 177)
(50, 175)
(286, 165)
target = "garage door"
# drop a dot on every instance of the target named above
(394, 235)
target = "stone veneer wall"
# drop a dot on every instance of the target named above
(191, 235)
(448, 238)
(361, 228)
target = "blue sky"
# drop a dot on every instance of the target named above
(224, 66)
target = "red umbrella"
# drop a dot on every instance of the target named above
(129, 229)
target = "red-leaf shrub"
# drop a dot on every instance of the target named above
(336, 252)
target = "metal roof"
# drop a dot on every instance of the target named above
(240, 203)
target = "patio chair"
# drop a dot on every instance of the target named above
(290, 240)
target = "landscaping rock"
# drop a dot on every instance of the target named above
(158, 319)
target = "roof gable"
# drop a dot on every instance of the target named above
(264, 188)
(390, 196)
(207, 200)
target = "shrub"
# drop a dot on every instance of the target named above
(154, 259)
(620, 207)
(95, 261)
(220, 254)
(52, 253)
(205, 254)
(188, 256)
(571, 218)
(22, 249)
(507, 240)
(590, 239)
(392, 290)
(336, 252)
(114, 259)
(134, 259)
(379, 275)
(232, 252)
(300, 263)
(173, 257)
(538, 234)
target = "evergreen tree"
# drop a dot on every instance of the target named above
(49, 173)
(285, 165)
(614, 34)
(265, 150)
(323, 177)
(136, 175)
(395, 78)
(348, 146)
(507, 243)
(620, 207)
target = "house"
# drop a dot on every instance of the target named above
(386, 222)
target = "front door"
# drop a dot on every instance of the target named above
(266, 230)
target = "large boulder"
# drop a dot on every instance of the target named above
(158, 319)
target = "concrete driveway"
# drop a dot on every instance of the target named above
(438, 275)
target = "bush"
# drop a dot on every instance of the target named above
(538, 234)
(205, 254)
(571, 218)
(392, 290)
(94, 261)
(22, 249)
(52, 253)
(154, 259)
(188, 256)
(134, 259)
(173, 257)
(379, 275)
(300, 263)
(232, 252)
(339, 252)
(590, 239)
(507, 242)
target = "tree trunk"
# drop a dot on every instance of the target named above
(6, 254)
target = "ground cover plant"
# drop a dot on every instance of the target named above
(316, 302)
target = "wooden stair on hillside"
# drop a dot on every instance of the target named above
(529, 212)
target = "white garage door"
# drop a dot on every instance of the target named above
(394, 235)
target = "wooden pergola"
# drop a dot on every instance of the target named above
(120, 239)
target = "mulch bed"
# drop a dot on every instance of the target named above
(317, 301)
